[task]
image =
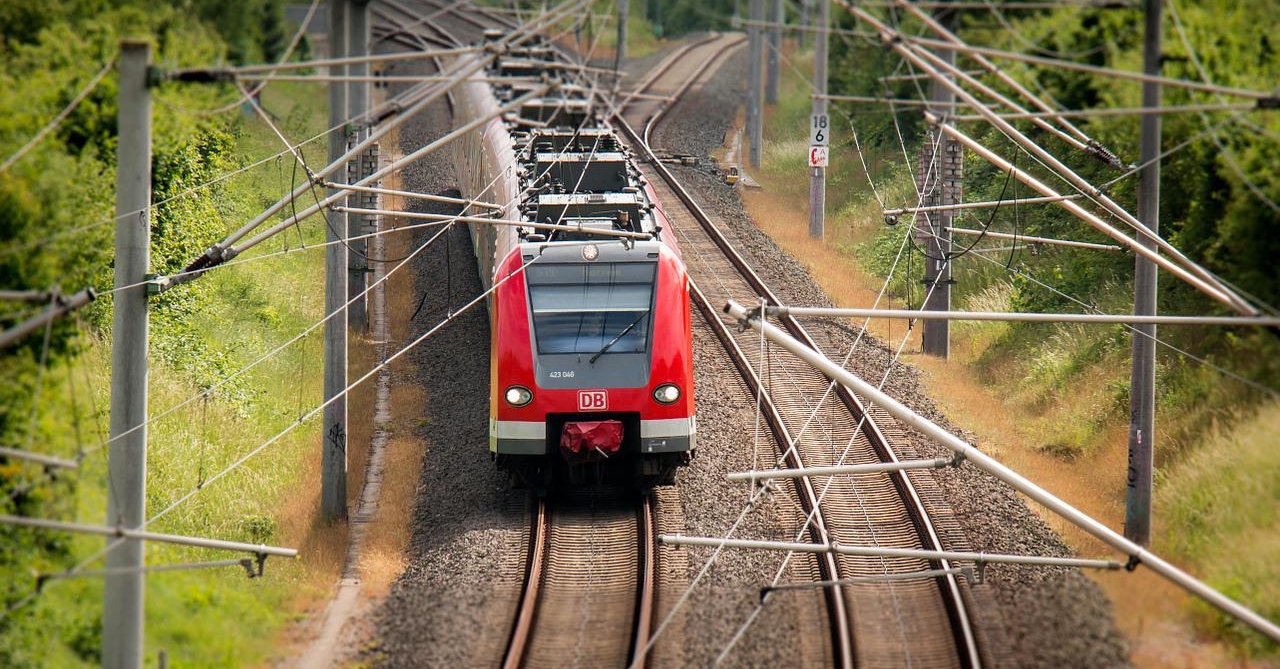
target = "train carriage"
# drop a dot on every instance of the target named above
(591, 374)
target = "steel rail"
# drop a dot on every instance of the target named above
(828, 567)
(656, 74)
(716, 59)
(646, 542)
(838, 615)
(521, 630)
(659, 72)
(957, 610)
(1138, 555)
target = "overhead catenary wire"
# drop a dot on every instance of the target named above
(808, 422)
(1078, 136)
(1225, 152)
(305, 332)
(288, 53)
(1131, 319)
(1011, 29)
(1138, 554)
(1020, 272)
(1204, 278)
(479, 299)
(200, 74)
(415, 101)
(1094, 69)
(1118, 111)
(301, 335)
(10, 250)
(31, 596)
(1163, 261)
(810, 517)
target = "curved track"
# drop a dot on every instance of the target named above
(596, 578)
(922, 622)
(588, 597)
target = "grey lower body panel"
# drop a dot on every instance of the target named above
(518, 446)
(668, 444)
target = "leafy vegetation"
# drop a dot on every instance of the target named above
(56, 210)
(1219, 191)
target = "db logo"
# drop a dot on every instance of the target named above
(593, 400)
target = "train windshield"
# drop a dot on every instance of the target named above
(591, 308)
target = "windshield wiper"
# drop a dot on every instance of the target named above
(613, 341)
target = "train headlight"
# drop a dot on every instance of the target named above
(518, 396)
(590, 252)
(667, 393)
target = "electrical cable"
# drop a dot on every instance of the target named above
(293, 44)
(812, 416)
(952, 255)
(1224, 151)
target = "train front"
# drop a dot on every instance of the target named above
(592, 377)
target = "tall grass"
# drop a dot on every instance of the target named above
(212, 617)
(1218, 487)
(1218, 509)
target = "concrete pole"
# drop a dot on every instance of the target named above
(620, 54)
(125, 590)
(333, 484)
(775, 47)
(1142, 388)
(806, 16)
(941, 180)
(755, 124)
(818, 175)
(357, 226)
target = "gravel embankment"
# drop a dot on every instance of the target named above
(1033, 617)
(451, 607)
(466, 550)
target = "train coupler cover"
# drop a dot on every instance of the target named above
(583, 442)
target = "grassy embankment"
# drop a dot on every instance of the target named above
(215, 617)
(1063, 391)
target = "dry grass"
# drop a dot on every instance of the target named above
(386, 538)
(324, 542)
(787, 222)
(388, 535)
(1153, 614)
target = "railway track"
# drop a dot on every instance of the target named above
(874, 621)
(588, 597)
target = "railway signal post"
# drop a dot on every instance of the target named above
(333, 484)
(818, 173)
(124, 593)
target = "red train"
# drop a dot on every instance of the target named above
(591, 375)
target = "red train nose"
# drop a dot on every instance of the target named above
(590, 441)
